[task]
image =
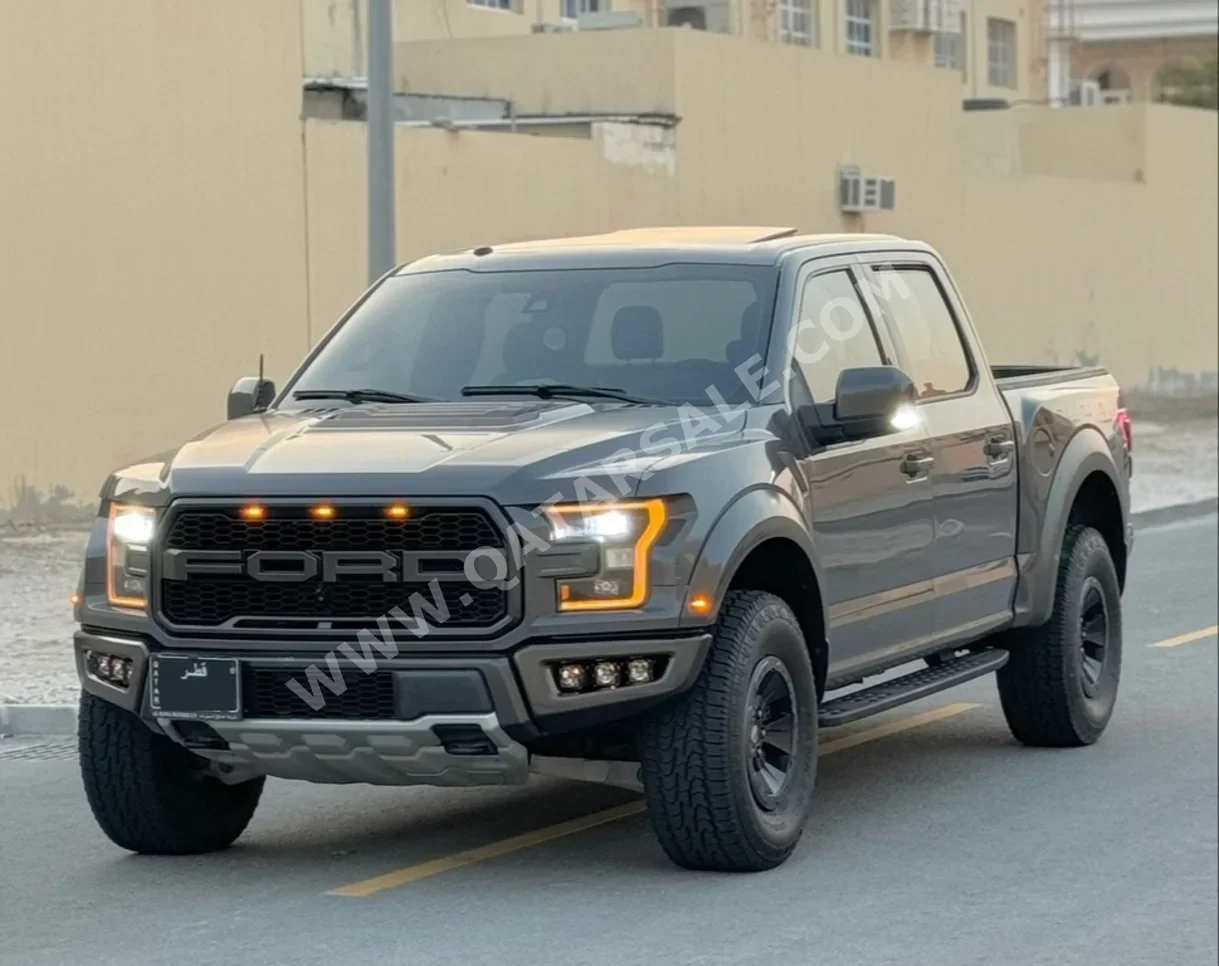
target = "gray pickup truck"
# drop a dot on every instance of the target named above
(647, 508)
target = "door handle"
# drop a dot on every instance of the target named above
(999, 447)
(917, 464)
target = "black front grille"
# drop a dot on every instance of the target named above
(440, 529)
(210, 600)
(265, 694)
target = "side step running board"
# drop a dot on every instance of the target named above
(910, 687)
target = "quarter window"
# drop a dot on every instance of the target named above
(835, 333)
(914, 301)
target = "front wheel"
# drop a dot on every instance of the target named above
(728, 768)
(1059, 687)
(150, 794)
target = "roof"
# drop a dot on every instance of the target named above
(640, 247)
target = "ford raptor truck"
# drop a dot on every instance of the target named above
(652, 508)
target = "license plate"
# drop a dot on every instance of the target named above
(202, 689)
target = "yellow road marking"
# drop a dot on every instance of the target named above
(1190, 637)
(424, 870)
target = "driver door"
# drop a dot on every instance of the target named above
(870, 503)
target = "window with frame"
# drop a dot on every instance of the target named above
(1001, 52)
(835, 333)
(924, 322)
(950, 49)
(573, 9)
(861, 27)
(493, 4)
(798, 22)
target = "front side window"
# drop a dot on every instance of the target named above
(668, 333)
(797, 24)
(1001, 52)
(925, 325)
(861, 27)
(834, 333)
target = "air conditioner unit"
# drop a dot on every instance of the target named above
(926, 16)
(553, 27)
(858, 192)
(1087, 93)
(711, 15)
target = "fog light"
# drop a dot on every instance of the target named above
(103, 666)
(639, 671)
(571, 677)
(605, 675)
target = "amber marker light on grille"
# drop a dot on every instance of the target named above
(323, 512)
(397, 512)
(700, 604)
(253, 513)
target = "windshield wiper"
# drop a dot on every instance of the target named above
(357, 396)
(553, 390)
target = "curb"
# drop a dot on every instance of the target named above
(1170, 514)
(37, 719)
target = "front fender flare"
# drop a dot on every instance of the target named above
(758, 515)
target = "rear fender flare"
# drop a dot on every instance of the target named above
(1086, 453)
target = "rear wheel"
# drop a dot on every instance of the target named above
(150, 794)
(1060, 685)
(728, 768)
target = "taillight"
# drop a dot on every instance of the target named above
(1124, 424)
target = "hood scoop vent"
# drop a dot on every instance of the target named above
(441, 415)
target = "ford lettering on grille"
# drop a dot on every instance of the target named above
(289, 571)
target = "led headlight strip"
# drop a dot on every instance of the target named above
(129, 535)
(627, 532)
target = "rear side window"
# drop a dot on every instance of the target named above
(835, 333)
(914, 301)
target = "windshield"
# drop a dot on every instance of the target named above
(666, 333)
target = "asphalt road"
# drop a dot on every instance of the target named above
(936, 840)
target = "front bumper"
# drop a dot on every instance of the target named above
(441, 703)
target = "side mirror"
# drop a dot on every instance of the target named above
(874, 401)
(250, 395)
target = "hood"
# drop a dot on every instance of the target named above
(515, 451)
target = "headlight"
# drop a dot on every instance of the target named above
(627, 533)
(128, 538)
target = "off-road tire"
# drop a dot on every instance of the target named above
(1046, 695)
(695, 752)
(151, 795)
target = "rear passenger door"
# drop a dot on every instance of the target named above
(871, 515)
(973, 476)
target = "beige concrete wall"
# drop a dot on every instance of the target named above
(457, 190)
(172, 218)
(1124, 263)
(763, 130)
(619, 70)
(1091, 143)
(153, 226)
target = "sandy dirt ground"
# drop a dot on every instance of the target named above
(1176, 462)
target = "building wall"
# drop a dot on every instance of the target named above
(153, 227)
(459, 190)
(175, 218)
